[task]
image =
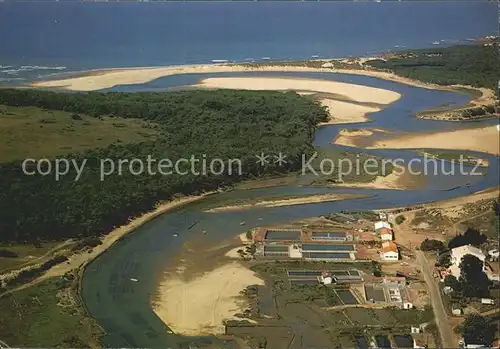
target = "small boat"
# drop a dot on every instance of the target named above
(194, 223)
(204, 232)
(134, 279)
(314, 56)
(175, 234)
(436, 43)
(243, 223)
(259, 219)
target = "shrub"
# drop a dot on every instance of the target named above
(400, 219)
(431, 245)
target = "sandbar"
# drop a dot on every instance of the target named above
(395, 181)
(343, 112)
(288, 202)
(482, 139)
(201, 305)
(352, 92)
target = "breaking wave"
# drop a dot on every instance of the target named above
(28, 68)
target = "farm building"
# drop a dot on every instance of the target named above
(276, 251)
(328, 252)
(328, 256)
(389, 251)
(326, 236)
(386, 234)
(282, 235)
(327, 248)
(317, 236)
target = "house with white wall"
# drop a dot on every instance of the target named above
(389, 251)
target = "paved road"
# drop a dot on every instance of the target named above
(437, 303)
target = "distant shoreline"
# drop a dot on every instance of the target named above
(96, 79)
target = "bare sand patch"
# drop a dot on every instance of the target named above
(358, 93)
(396, 181)
(200, 306)
(482, 139)
(355, 137)
(288, 202)
(344, 112)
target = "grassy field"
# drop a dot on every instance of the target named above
(40, 133)
(46, 315)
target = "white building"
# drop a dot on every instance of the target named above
(389, 251)
(494, 254)
(458, 253)
(386, 234)
(382, 224)
(407, 305)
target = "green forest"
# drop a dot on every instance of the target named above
(474, 65)
(220, 124)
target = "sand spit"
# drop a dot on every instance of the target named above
(344, 112)
(200, 306)
(354, 137)
(288, 202)
(395, 181)
(482, 139)
(356, 93)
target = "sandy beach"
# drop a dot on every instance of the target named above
(288, 202)
(482, 139)
(201, 305)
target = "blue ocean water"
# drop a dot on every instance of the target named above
(42, 38)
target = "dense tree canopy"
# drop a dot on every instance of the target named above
(477, 330)
(431, 245)
(474, 65)
(212, 124)
(451, 281)
(471, 236)
(474, 281)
